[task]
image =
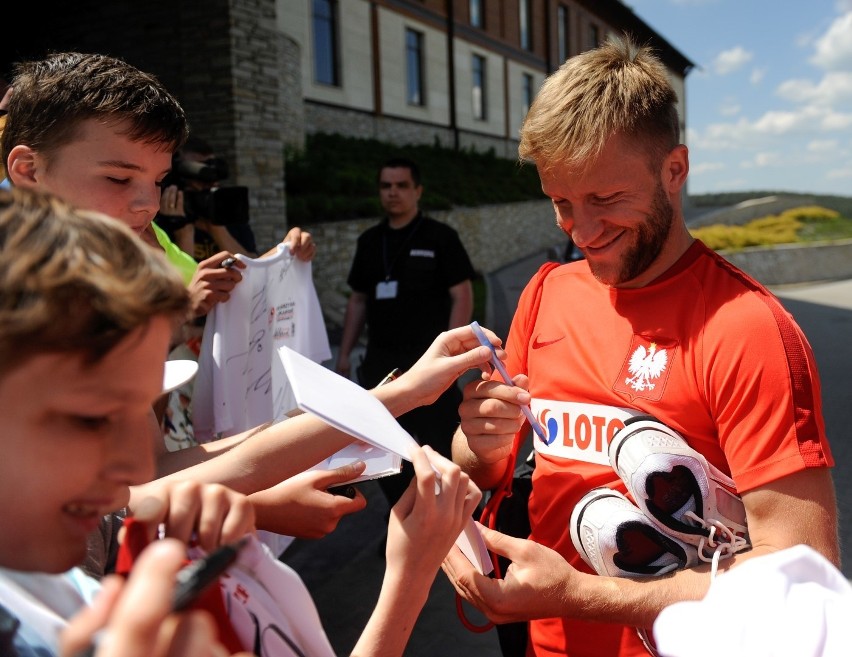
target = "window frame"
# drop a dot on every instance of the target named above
(329, 63)
(479, 69)
(419, 52)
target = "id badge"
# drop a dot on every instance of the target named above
(386, 289)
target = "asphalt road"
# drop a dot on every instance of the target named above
(824, 311)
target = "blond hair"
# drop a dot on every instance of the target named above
(618, 88)
(75, 281)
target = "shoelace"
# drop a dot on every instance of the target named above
(721, 548)
(724, 542)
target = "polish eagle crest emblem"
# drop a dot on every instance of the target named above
(646, 366)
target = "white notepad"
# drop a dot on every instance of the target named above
(348, 407)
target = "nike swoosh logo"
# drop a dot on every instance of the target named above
(538, 344)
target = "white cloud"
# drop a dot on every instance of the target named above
(834, 48)
(834, 88)
(704, 167)
(731, 60)
(779, 122)
(839, 174)
(758, 74)
(822, 145)
(767, 159)
(836, 121)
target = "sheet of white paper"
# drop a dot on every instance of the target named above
(380, 463)
(348, 407)
(344, 404)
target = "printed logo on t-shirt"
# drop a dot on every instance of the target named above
(646, 368)
(422, 253)
(581, 432)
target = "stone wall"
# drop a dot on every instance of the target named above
(364, 125)
(494, 236)
(224, 60)
(795, 263)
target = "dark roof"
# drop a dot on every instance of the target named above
(621, 17)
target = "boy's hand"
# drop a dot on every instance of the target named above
(301, 506)
(213, 513)
(136, 617)
(212, 283)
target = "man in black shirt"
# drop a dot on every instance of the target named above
(410, 280)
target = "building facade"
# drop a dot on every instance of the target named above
(257, 75)
(461, 73)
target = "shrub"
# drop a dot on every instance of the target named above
(334, 178)
(785, 228)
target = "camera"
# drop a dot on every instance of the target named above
(219, 205)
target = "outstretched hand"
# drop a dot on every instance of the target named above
(134, 618)
(423, 526)
(301, 506)
(450, 355)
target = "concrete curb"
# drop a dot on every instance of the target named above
(795, 263)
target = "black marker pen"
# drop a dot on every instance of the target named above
(345, 490)
(193, 579)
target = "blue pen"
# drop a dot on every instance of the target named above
(498, 365)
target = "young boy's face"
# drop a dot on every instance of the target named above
(104, 170)
(74, 437)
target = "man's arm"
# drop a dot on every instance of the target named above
(461, 309)
(353, 324)
(798, 508)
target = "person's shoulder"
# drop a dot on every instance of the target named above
(373, 231)
(438, 228)
(434, 223)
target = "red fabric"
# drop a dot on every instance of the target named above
(739, 382)
(135, 540)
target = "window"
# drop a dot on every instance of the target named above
(527, 92)
(414, 67)
(477, 13)
(594, 36)
(326, 66)
(525, 23)
(480, 98)
(562, 32)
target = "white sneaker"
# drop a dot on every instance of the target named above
(678, 489)
(616, 539)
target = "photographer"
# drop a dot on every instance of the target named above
(201, 217)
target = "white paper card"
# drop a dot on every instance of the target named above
(348, 407)
(379, 462)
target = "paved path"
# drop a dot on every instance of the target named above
(344, 570)
(824, 311)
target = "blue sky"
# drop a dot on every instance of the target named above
(769, 104)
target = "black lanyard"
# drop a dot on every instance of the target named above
(389, 264)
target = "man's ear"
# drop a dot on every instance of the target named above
(675, 169)
(22, 167)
